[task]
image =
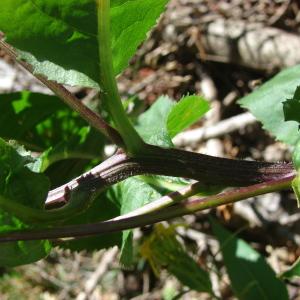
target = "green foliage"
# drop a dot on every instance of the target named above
(61, 37)
(185, 113)
(152, 124)
(266, 104)
(19, 188)
(85, 143)
(251, 277)
(22, 112)
(43, 123)
(166, 118)
(291, 107)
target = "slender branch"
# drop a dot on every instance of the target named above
(59, 90)
(128, 221)
(109, 91)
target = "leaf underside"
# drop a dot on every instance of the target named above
(61, 36)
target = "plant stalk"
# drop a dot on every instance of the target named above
(131, 221)
(208, 170)
(109, 90)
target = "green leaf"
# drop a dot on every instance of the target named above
(185, 113)
(293, 271)
(135, 193)
(137, 18)
(164, 119)
(22, 112)
(291, 107)
(163, 250)
(45, 124)
(62, 35)
(251, 277)
(266, 104)
(152, 124)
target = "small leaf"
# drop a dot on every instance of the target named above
(185, 113)
(293, 271)
(291, 107)
(152, 124)
(266, 104)
(251, 277)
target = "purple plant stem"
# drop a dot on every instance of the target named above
(124, 222)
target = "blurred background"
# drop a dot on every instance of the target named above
(222, 50)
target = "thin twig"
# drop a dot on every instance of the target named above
(125, 222)
(59, 90)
